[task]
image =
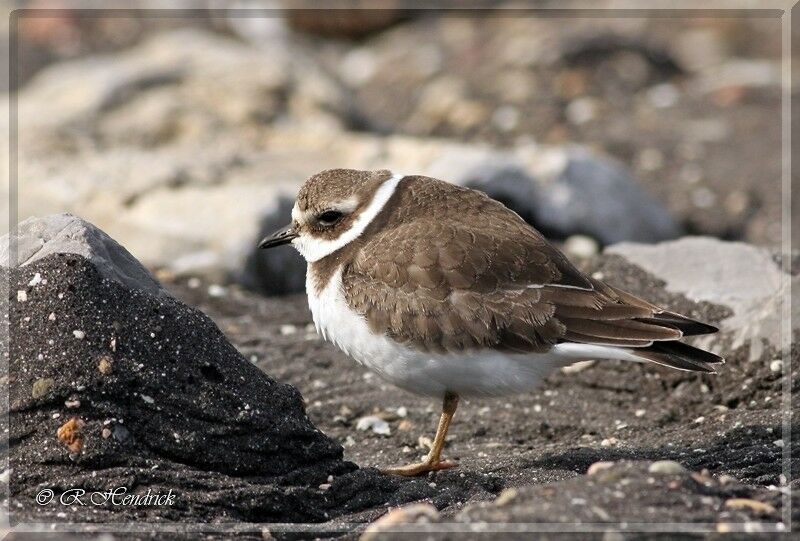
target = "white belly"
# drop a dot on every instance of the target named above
(487, 372)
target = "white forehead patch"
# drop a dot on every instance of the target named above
(314, 249)
(297, 216)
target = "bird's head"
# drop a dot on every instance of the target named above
(332, 209)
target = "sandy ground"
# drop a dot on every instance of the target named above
(726, 424)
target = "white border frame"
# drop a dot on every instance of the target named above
(625, 6)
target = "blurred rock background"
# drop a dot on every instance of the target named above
(183, 135)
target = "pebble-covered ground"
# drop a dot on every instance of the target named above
(724, 427)
(114, 387)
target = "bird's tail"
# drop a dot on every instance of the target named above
(673, 354)
(679, 355)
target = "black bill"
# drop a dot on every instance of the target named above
(284, 235)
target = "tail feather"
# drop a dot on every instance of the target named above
(673, 354)
(608, 323)
(687, 326)
(680, 356)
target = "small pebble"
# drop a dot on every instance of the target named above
(581, 246)
(388, 523)
(105, 365)
(41, 387)
(666, 467)
(52, 316)
(651, 159)
(703, 198)
(757, 507)
(424, 442)
(506, 118)
(599, 466)
(80, 335)
(640, 413)
(506, 497)
(22, 295)
(663, 95)
(776, 365)
(581, 110)
(287, 330)
(579, 366)
(216, 290)
(726, 479)
(374, 423)
(36, 280)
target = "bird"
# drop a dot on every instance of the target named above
(446, 293)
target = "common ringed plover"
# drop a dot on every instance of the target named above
(445, 292)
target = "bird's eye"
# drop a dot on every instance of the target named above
(329, 217)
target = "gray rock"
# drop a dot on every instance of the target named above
(38, 238)
(744, 278)
(508, 183)
(582, 194)
(278, 271)
(600, 198)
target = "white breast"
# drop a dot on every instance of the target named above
(485, 372)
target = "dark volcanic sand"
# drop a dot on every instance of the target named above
(728, 423)
(540, 443)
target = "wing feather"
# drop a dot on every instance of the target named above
(483, 278)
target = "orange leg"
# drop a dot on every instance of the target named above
(433, 461)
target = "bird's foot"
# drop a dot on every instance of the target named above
(412, 470)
